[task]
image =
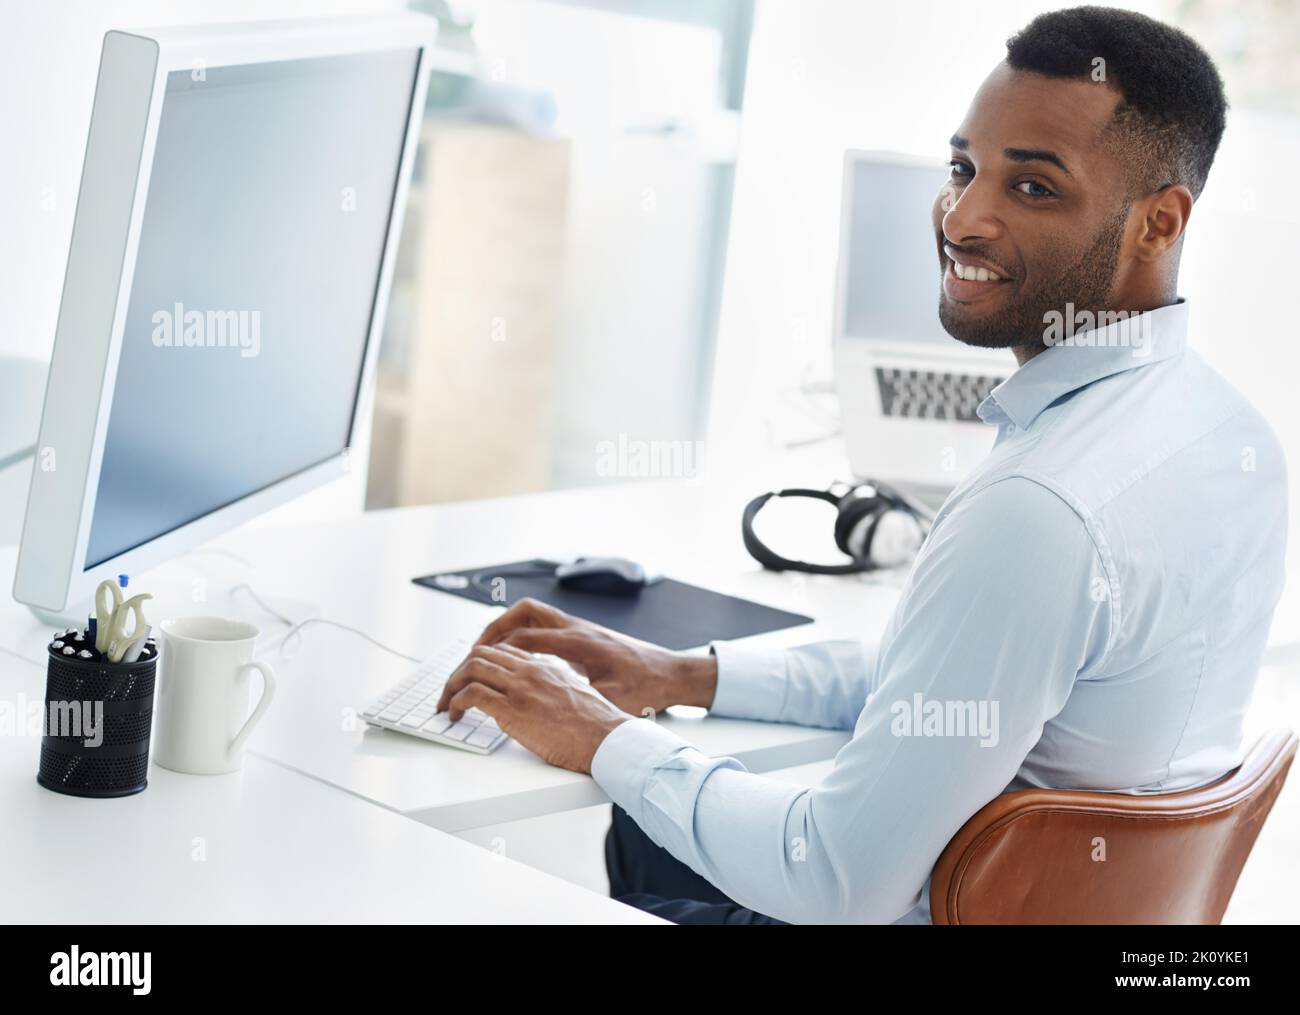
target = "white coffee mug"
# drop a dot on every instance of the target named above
(201, 719)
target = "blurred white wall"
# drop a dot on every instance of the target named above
(641, 204)
(51, 57)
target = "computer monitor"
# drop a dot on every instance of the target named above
(238, 217)
(907, 389)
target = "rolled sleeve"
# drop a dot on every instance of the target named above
(629, 762)
(752, 683)
(823, 684)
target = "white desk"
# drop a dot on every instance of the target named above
(359, 573)
(297, 835)
(680, 529)
(262, 845)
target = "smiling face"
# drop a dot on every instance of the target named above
(1035, 213)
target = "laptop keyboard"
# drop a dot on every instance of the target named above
(932, 394)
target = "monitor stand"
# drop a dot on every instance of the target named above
(72, 615)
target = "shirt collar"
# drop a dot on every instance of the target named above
(1077, 359)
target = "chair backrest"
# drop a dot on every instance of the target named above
(1049, 856)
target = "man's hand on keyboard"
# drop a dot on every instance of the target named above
(636, 676)
(543, 704)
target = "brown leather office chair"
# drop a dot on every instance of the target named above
(1033, 856)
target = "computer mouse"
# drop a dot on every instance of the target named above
(607, 576)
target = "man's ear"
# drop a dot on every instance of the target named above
(1162, 218)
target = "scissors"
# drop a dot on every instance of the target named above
(110, 621)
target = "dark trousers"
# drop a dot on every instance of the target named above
(648, 877)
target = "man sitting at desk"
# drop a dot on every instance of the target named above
(1100, 587)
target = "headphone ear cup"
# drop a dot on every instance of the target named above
(895, 539)
(854, 526)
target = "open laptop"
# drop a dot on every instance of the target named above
(907, 389)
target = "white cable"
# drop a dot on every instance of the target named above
(220, 551)
(808, 442)
(296, 628)
(245, 587)
(26, 659)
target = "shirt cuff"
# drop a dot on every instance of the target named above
(752, 683)
(629, 756)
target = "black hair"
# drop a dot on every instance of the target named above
(1172, 111)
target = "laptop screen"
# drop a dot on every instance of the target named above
(889, 283)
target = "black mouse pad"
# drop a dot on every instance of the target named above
(668, 613)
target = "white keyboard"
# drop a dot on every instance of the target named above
(408, 707)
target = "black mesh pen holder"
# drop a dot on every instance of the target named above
(98, 717)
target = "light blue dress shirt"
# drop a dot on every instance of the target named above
(1088, 611)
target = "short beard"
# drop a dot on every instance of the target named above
(1023, 322)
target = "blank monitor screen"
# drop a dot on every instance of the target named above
(259, 257)
(892, 276)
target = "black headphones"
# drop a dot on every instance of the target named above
(875, 526)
